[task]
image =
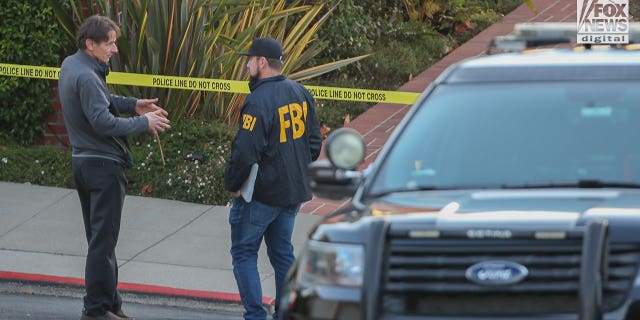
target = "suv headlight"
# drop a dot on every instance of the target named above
(335, 264)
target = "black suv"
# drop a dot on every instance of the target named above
(511, 190)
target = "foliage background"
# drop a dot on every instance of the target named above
(193, 168)
(199, 39)
(403, 37)
(178, 178)
(29, 34)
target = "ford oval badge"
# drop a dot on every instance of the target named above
(496, 273)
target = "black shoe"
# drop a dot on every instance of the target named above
(123, 316)
(107, 316)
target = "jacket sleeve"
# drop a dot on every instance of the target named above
(95, 101)
(247, 146)
(124, 104)
(315, 137)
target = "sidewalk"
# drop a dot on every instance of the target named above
(165, 247)
(182, 249)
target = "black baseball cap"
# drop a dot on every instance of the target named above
(265, 47)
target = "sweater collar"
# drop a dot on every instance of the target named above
(99, 67)
(253, 85)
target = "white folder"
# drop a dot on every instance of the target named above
(247, 187)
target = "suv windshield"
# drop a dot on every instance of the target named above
(497, 135)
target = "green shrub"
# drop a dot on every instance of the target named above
(41, 165)
(404, 45)
(30, 36)
(350, 31)
(401, 57)
(181, 178)
(178, 179)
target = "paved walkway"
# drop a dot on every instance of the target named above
(165, 247)
(178, 248)
(377, 123)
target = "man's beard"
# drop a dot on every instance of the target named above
(254, 78)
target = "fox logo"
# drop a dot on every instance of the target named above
(592, 14)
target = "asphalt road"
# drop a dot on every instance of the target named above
(20, 301)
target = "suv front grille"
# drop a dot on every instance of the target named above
(427, 276)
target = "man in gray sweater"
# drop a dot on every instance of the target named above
(100, 155)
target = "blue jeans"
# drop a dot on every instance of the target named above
(250, 222)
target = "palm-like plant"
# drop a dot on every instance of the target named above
(199, 38)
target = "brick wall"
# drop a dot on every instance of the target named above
(55, 130)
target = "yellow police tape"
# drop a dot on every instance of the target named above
(231, 86)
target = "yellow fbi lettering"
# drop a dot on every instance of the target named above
(248, 122)
(297, 115)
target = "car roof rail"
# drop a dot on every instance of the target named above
(534, 34)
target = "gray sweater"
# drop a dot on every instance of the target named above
(91, 113)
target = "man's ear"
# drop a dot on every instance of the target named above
(89, 44)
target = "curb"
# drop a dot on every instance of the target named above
(133, 287)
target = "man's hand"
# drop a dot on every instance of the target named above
(156, 116)
(157, 121)
(144, 106)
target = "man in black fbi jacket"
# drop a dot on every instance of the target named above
(279, 131)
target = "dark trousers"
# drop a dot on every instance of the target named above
(101, 186)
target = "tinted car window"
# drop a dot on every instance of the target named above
(495, 134)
